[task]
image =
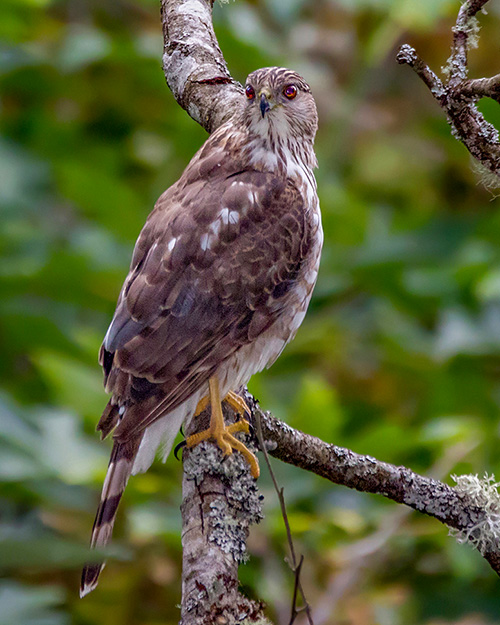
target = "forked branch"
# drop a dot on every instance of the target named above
(457, 95)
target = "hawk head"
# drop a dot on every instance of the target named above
(280, 105)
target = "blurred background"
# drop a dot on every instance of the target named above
(399, 356)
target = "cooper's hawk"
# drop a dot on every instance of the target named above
(220, 280)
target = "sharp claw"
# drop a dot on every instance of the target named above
(239, 426)
(247, 454)
(226, 447)
(178, 447)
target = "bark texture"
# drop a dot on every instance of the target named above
(220, 502)
(194, 66)
(461, 509)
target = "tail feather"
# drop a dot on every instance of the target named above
(109, 419)
(119, 470)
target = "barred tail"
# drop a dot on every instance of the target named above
(119, 470)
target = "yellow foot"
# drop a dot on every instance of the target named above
(237, 403)
(227, 442)
(219, 431)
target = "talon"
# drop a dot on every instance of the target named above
(250, 457)
(225, 446)
(239, 426)
(237, 403)
(218, 431)
(177, 447)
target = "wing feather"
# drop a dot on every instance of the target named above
(211, 271)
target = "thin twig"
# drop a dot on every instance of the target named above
(296, 611)
(295, 568)
(461, 40)
(408, 55)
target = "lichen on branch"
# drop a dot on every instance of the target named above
(461, 509)
(483, 493)
(458, 95)
(220, 501)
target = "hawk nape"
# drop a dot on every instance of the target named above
(220, 281)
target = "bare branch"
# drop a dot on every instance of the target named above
(465, 27)
(368, 553)
(193, 63)
(296, 586)
(458, 96)
(409, 55)
(482, 87)
(220, 499)
(451, 505)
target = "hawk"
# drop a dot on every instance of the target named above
(220, 281)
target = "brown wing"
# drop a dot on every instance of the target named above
(210, 272)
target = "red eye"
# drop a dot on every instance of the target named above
(250, 92)
(290, 91)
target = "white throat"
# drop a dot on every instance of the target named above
(273, 146)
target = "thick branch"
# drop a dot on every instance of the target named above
(220, 501)
(459, 96)
(445, 503)
(193, 64)
(220, 498)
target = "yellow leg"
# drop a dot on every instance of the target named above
(218, 431)
(236, 402)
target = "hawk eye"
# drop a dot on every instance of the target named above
(250, 92)
(290, 91)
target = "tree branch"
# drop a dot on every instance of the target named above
(194, 66)
(483, 87)
(220, 501)
(220, 498)
(470, 509)
(458, 96)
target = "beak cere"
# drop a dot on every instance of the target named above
(264, 104)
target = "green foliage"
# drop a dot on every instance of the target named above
(398, 357)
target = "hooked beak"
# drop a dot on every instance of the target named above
(264, 104)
